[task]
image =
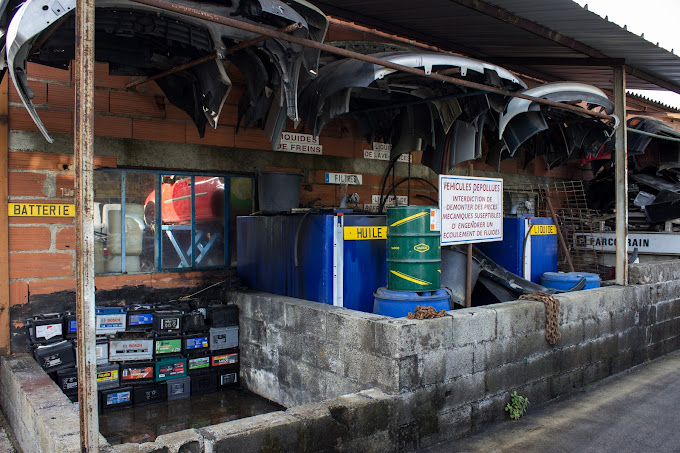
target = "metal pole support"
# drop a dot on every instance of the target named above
(84, 165)
(621, 162)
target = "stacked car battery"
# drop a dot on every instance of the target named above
(145, 353)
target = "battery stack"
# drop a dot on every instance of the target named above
(145, 353)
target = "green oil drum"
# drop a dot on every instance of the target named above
(413, 248)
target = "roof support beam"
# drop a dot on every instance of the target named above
(621, 171)
(550, 61)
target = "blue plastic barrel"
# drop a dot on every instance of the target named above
(565, 280)
(398, 304)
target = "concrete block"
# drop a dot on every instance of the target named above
(355, 332)
(376, 372)
(493, 354)
(465, 390)
(566, 383)
(622, 362)
(516, 318)
(459, 361)
(508, 376)
(359, 415)
(531, 343)
(432, 366)
(473, 325)
(596, 371)
(671, 344)
(573, 333)
(604, 348)
(624, 320)
(665, 310)
(572, 357)
(396, 336)
(537, 392)
(264, 383)
(434, 333)
(275, 431)
(409, 373)
(301, 318)
(338, 385)
(663, 330)
(488, 410)
(540, 367)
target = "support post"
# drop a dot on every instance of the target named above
(84, 163)
(621, 163)
(4, 220)
(468, 271)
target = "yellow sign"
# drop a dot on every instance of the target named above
(543, 229)
(41, 210)
(357, 233)
(422, 248)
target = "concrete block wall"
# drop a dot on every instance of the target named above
(455, 372)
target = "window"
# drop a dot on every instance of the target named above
(162, 213)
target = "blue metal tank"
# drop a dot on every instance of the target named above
(341, 256)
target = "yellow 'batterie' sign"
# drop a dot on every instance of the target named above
(357, 233)
(41, 210)
(543, 229)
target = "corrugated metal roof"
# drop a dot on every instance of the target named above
(520, 35)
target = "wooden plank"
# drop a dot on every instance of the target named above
(4, 221)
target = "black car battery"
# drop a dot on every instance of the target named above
(140, 317)
(45, 329)
(199, 305)
(167, 322)
(222, 315)
(226, 358)
(70, 325)
(114, 399)
(136, 373)
(223, 337)
(182, 305)
(170, 368)
(196, 343)
(179, 388)
(203, 383)
(165, 346)
(67, 380)
(130, 349)
(108, 377)
(198, 364)
(150, 393)
(194, 321)
(109, 320)
(227, 376)
(54, 357)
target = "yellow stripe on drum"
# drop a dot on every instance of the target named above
(417, 281)
(410, 218)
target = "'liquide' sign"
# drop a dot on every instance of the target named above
(471, 209)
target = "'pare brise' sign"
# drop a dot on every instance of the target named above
(471, 209)
(292, 142)
(381, 151)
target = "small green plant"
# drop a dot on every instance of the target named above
(517, 405)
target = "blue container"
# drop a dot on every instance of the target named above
(565, 280)
(398, 304)
(266, 255)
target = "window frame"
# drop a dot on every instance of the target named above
(158, 223)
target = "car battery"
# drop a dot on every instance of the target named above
(199, 305)
(193, 344)
(54, 357)
(223, 337)
(167, 322)
(150, 393)
(110, 320)
(203, 383)
(170, 368)
(101, 351)
(228, 358)
(67, 380)
(108, 377)
(198, 364)
(136, 373)
(140, 317)
(193, 321)
(45, 328)
(70, 325)
(179, 388)
(164, 346)
(222, 315)
(124, 350)
(182, 305)
(227, 376)
(110, 400)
